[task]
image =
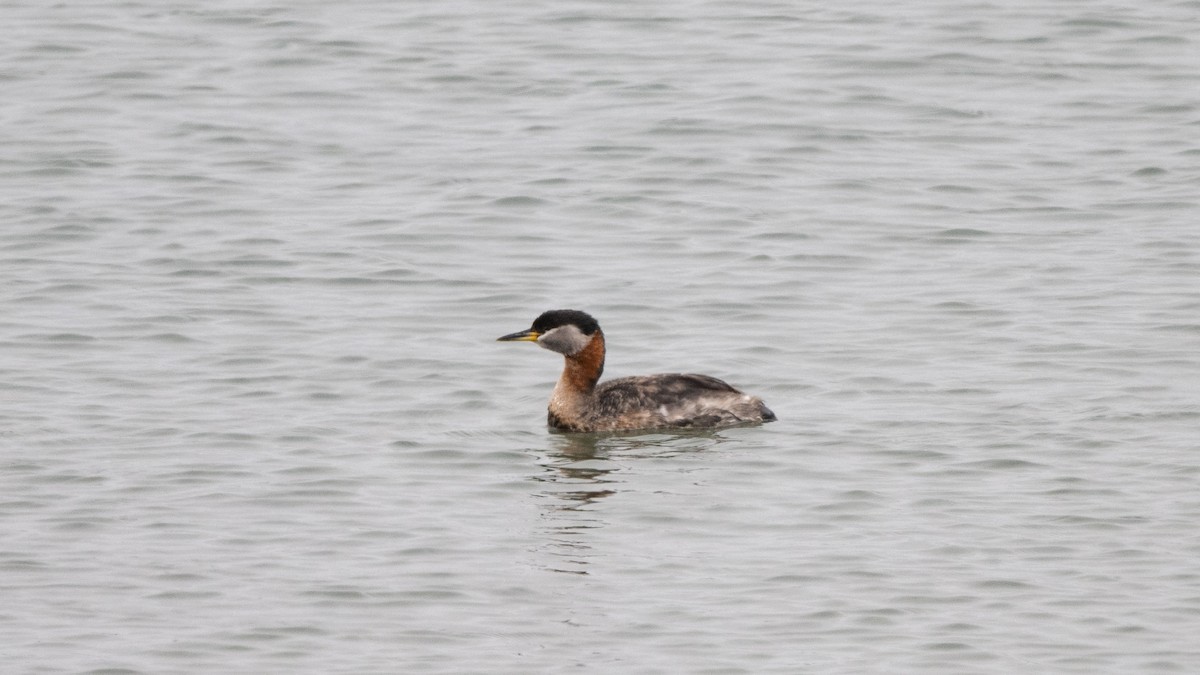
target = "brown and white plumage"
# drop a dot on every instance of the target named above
(675, 400)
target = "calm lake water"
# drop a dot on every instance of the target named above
(253, 259)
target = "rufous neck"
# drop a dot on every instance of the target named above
(582, 369)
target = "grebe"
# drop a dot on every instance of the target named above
(650, 402)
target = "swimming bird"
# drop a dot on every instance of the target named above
(674, 400)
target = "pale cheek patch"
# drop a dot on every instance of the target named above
(564, 340)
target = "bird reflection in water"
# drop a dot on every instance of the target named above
(580, 471)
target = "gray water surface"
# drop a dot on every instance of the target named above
(253, 260)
